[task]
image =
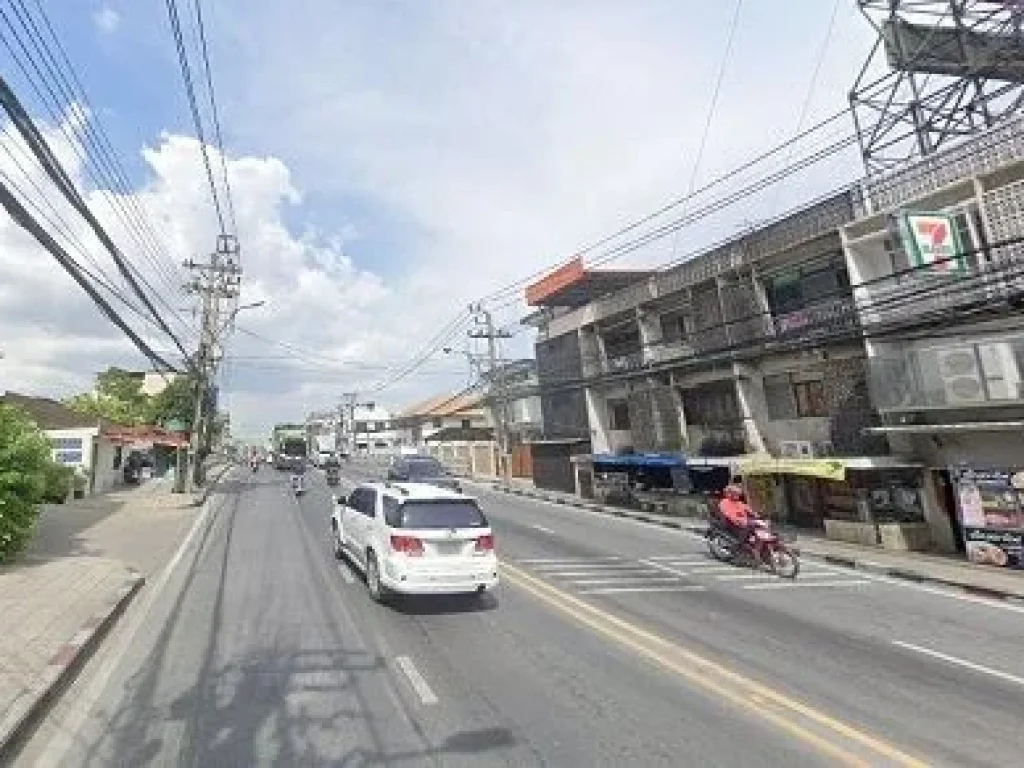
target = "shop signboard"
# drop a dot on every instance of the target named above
(990, 503)
(932, 240)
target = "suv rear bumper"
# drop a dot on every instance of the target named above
(468, 577)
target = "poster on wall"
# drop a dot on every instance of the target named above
(990, 503)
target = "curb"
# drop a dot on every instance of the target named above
(904, 574)
(210, 485)
(64, 665)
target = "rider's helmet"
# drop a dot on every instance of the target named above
(733, 492)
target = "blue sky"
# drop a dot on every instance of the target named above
(416, 155)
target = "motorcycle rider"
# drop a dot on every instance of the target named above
(737, 515)
(298, 471)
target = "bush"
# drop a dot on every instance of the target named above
(24, 463)
(58, 483)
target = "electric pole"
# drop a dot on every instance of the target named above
(215, 280)
(496, 390)
(348, 404)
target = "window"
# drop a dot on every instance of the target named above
(801, 288)
(467, 423)
(440, 514)
(66, 443)
(810, 398)
(618, 415)
(437, 423)
(364, 501)
(392, 511)
(380, 444)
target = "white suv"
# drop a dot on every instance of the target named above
(413, 538)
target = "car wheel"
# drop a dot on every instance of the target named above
(339, 544)
(373, 585)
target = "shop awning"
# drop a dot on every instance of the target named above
(823, 469)
(640, 460)
(931, 429)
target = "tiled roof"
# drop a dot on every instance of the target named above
(47, 413)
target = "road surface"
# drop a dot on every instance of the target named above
(609, 643)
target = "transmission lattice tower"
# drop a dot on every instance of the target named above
(954, 67)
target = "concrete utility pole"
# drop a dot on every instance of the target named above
(215, 280)
(496, 390)
(349, 403)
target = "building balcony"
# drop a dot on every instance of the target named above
(620, 363)
(667, 351)
(957, 376)
(922, 292)
(822, 318)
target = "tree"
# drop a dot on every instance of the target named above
(118, 398)
(175, 404)
(25, 466)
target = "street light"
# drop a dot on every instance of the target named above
(234, 313)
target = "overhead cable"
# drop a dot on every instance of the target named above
(41, 149)
(24, 219)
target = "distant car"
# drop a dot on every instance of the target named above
(417, 539)
(422, 469)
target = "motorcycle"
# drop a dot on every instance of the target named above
(764, 548)
(298, 485)
(254, 465)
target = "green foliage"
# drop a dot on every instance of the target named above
(57, 480)
(119, 398)
(25, 461)
(177, 403)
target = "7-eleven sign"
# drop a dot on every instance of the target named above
(931, 239)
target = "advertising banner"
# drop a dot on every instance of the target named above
(990, 503)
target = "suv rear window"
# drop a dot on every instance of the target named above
(435, 514)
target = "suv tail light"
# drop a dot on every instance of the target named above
(407, 545)
(485, 544)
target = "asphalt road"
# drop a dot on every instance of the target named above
(608, 643)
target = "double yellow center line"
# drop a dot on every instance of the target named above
(842, 743)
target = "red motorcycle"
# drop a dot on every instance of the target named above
(763, 548)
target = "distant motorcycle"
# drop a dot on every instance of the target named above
(764, 549)
(298, 485)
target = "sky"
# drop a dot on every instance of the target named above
(392, 162)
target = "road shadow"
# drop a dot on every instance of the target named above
(442, 605)
(201, 698)
(60, 527)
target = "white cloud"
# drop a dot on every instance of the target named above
(107, 19)
(500, 134)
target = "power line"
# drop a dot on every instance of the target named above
(61, 226)
(204, 49)
(105, 170)
(440, 339)
(716, 91)
(24, 219)
(53, 107)
(190, 93)
(41, 149)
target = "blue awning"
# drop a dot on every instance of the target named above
(640, 460)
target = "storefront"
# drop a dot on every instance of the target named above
(990, 507)
(870, 501)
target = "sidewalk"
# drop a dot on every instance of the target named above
(86, 561)
(941, 570)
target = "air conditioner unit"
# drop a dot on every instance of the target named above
(796, 449)
(961, 379)
(823, 450)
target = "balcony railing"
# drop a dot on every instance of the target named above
(964, 375)
(986, 152)
(821, 318)
(627, 362)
